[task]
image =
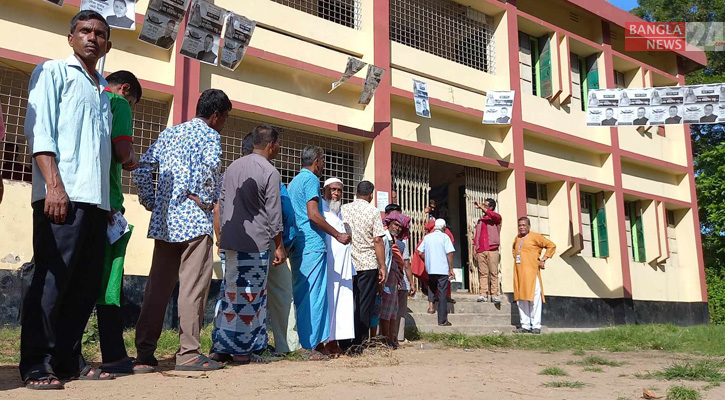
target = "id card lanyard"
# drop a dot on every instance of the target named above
(518, 253)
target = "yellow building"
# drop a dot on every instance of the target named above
(619, 202)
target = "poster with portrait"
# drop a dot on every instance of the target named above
(721, 105)
(700, 104)
(602, 105)
(203, 32)
(162, 21)
(237, 36)
(420, 97)
(352, 67)
(666, 105)
(372, 80)
(634, 107)
(499, 107)
(120, 14)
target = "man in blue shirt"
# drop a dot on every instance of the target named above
(187, 158)
(437, 253)
(68, 127)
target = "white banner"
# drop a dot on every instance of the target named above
(499, 107)
(203, 32)
(237, 36)
(634, 107)
(119, 14)
(666, 105)
(420, 96)
(602, 106)
(700, 104)
(161, 24)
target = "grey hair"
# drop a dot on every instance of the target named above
(310, 154)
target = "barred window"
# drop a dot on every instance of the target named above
(15, 160)
(343, 158)
(446, 29)
(344, 12)
(149, 119)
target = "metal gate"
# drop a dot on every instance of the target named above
(411, 182)
(480, 185)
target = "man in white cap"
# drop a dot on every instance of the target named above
(437, 252)
(339, 270)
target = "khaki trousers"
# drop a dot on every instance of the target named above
(488, 267)
(281, 308)
(190, 263)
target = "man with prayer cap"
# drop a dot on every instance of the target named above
(437, 253)
(339, 270)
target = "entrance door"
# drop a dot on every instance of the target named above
(480, 185)
(411, 181)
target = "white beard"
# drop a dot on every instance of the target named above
(335, 206)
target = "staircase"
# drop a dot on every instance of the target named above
(466, 315)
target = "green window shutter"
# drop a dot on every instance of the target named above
(637, 233)
(602, 239)
(592, 72)
(545, 72)
(594, 219)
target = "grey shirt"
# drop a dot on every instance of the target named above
(250, 205)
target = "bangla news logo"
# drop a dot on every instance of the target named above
(674, 36)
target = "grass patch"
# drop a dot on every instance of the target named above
(593, 369)
(596, 360)
(578, 352)
(705, 370)
(682, 393)
(553, 371)
(565, 384)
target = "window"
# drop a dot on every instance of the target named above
(674, 260)
(149, 119)
(619, 80)
(446, 29)
(635, 233)
(537, 207)
(343, 12)
(594, 225)
(15, 159)
(529, 63)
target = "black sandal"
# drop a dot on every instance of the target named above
(42, 377)
(127, 367)
(198, 365)
(97, 374)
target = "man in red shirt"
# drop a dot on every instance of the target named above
(485, 247)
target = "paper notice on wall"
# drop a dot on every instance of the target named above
(420, 96)
(499, 107)
(700, 104)
(120, 14)
(162, 21)
(56, 2)
(382, 200)
(203, 32)
(375, 74)
(119, 228)
(634, 107)
(237, 36)
(666, 105)
(721, 105)
(602, 107)
(353, 67)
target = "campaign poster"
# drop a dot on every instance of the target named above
(162, 21)
(372, 80)
(721, 106)
(420, 96)
(353, 66)
(203, 32)
(499, 107)
(634, 107)
(602, 107)
(700, 104)
(120, 14)
(666, 105)
(237, 36)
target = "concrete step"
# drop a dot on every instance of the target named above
(468, 329)
(461, 307)
(462, 297)
(481, 320)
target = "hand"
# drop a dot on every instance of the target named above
(412, 290)
(542, 264)
(451, 274)
(475, 203)
(110, 216)
(131, 166)
(218, 251)
(280, 256)
(382, 275)
(56, 204)
(199, 203)
(343, 238)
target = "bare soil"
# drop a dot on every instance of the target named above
(416, 370)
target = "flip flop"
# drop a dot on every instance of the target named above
(126, 367)
(314, 355)
(42, 377)
(96, 374)
(198, 365)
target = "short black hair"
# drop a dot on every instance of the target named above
(171, 21)
(642, 108)
(392, 207)
(208, 35)
(310, 154)
(528, 221)
(247, 145)
(87, 15)
(610, 109)
(491, 202)
(212, 100)
(365, 188)
(709, 105)
(675, 107)
(121, 1)
(264, 134)
(123, 77)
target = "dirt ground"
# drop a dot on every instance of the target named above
(417, 370)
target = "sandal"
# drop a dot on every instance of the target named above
(97, 374)
(198, 365)
(127, 367)
(314, 355)
(42, 377)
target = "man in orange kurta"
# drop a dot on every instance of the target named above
(528, 263)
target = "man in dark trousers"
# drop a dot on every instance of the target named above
(437, 252)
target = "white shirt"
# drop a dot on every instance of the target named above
(436, 246)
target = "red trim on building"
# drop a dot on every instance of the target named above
(680, 169)
(301, 65)
(650, 196)
(451, 153)
(517, 128)
(544, 131)
(560, 177)
(381, 101)
(439, 103)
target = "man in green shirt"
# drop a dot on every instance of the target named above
(124, 91)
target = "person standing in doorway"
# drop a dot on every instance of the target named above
(437, 253)
(486, 241)
(528, 263)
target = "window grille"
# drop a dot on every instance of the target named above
(343, 158)
(344, 12)
(149, 119)
(15, 160)
(446, 29)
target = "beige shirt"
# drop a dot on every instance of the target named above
(365, 225)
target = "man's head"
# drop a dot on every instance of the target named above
(440, 224)
(393, 197)
(313, 158)
(213, 107)
(332, 192)
(503, 111)
(609, 112)
(170, 26)
(394, 228)
(640, 112)
(524, 226)
(393, 208)
(489, 204)
(673, 111)
(365, 191)
(247, 145)
(708, 109)
(265, 139)
(119, 8)
(125, 84)
(208, 42)
(89, 36)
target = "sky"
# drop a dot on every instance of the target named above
(624, 4)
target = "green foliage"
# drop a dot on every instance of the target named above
(682, 393)
(704, 370)
(596, 360)
(565, 384)
(593, 369)
(553, 371)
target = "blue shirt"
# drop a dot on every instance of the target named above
(69, 116)
(303, 188)
(288, 218)
(436, 246)
(187, 157)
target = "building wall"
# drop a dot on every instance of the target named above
(295, 56)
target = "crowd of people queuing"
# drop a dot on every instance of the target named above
(321, 275)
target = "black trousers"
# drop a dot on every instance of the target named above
(437, 290)
(110, 333)
(64, 289)
(364, 288)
